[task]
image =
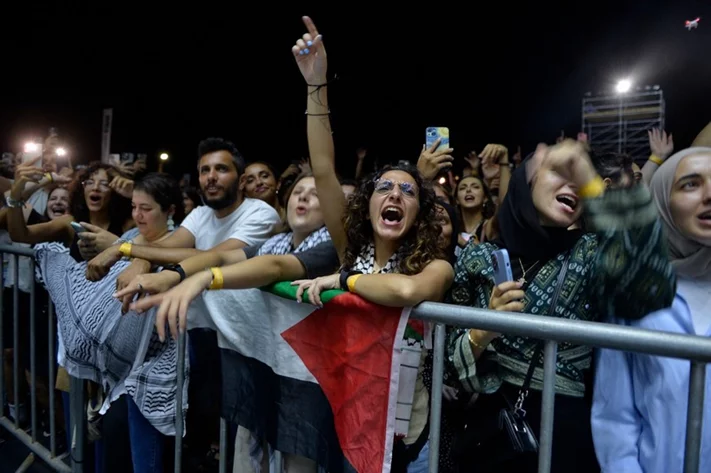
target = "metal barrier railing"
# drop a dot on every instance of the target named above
(77, 412)
(553, 330)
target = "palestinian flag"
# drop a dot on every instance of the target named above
(316, 382)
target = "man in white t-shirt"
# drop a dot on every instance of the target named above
(228, 221)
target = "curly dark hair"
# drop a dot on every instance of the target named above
(419, 247)
(119, 206)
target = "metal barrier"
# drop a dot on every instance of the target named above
(553, 330)
(77, 412)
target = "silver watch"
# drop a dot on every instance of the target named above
(14, 204)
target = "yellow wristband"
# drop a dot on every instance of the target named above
(592, 189)
(217, 279)
(656, 160)
(49, 177)
(351, 281)
(125, 249)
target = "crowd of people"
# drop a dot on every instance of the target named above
(589, 237)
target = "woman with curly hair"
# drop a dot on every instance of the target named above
(387, 239)
(96, 200)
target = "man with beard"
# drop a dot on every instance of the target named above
(227, 221)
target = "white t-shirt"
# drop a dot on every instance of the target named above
(253, 223)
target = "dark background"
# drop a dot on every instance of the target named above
(504, 72)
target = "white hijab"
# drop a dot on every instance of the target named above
(690, 259)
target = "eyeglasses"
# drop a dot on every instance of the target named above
(386, 186)
(103, 185)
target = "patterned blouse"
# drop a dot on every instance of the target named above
(621, 270)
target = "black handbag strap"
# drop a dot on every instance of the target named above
(523, 392)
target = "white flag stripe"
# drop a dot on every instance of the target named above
(251, 321)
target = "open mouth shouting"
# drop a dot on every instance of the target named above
(392, 216)
(568, 202)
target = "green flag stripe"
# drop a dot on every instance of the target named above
(286, 290)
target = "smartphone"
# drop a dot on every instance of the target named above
(32, 151)
(502, 266)
(76, 227)
(432, 133)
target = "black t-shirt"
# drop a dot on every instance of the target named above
(321, 260)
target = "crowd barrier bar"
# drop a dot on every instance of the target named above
(553, 331)
(556, 330)
(77, 414)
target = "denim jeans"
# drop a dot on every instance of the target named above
(147, 443)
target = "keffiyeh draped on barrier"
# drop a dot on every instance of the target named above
(97, 342)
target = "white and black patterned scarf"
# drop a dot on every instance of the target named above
(365, 262)
(283, 243)
(97, 342)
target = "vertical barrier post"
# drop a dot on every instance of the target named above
(223, 446)
(179, 421)
(52, 351)
(2, 331)
(436, 400)
(694, 417)
(16, 340)
(78, 423)
(545, 450)
(33, 353)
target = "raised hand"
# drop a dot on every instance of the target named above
(660, 143)
(310, 55)
(570, 160)
(433, 160)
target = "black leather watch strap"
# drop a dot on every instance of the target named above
(178, 269)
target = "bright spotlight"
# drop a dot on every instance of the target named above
(164, 156)
(624, 86)
(442, 180)
(32, 147)
(61, 152)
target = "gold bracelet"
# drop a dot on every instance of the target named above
(473, 343)
(49, 177)
(351, 282)
(125, 249)
(656, 160)
(217, 279)
(592, 189)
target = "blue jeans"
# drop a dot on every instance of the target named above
(147, 443)
(422, 463)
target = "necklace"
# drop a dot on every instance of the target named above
(522, 279)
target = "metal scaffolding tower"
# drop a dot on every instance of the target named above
(619, 123)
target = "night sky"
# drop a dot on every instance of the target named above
(491, 72)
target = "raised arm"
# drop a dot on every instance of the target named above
(703, 138)
(20, 232)
(310, 55)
